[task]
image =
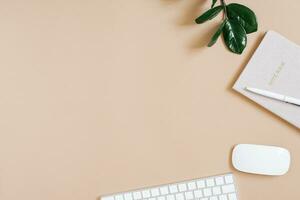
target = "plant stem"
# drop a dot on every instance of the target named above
(224, 8)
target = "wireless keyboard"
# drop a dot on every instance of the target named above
(219, 187)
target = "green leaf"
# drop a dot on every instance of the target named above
(235, 36)
(244, 15)
(208, 15)
(217, 34)
(213, 3)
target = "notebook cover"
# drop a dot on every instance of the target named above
(275, 66)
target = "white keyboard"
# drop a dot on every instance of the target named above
(219, 187)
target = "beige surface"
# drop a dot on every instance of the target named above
(105, 96)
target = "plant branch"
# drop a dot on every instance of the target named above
(224, 8)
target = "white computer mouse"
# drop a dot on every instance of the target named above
(261, 159)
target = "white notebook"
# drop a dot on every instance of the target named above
(275, 66)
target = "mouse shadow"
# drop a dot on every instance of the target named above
(244, 98)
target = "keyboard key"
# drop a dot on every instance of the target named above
(164, 190)
(119, 197)
(232, 196)
(200, 184)
(154, 192)
(108, 198)
(182, 187)
(137, 195)
(161, 198)
(223, 197)
(198, 193)
(128, 196)
(228, 188)
(213, 198)
(146, 194)
(210, 182)
(192, 186)
(207, 192)
(216, 190)
(220, 180)
(204, 199)
(170, 197)
(152, 198)
(229, 179)
(189, 195)
(179, 196)
(173, 189)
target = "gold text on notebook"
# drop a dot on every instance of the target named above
(276, 74)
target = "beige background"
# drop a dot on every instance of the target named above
(102, 96)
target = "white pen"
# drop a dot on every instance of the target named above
(276, 96)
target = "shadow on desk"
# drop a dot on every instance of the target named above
(193, 9)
